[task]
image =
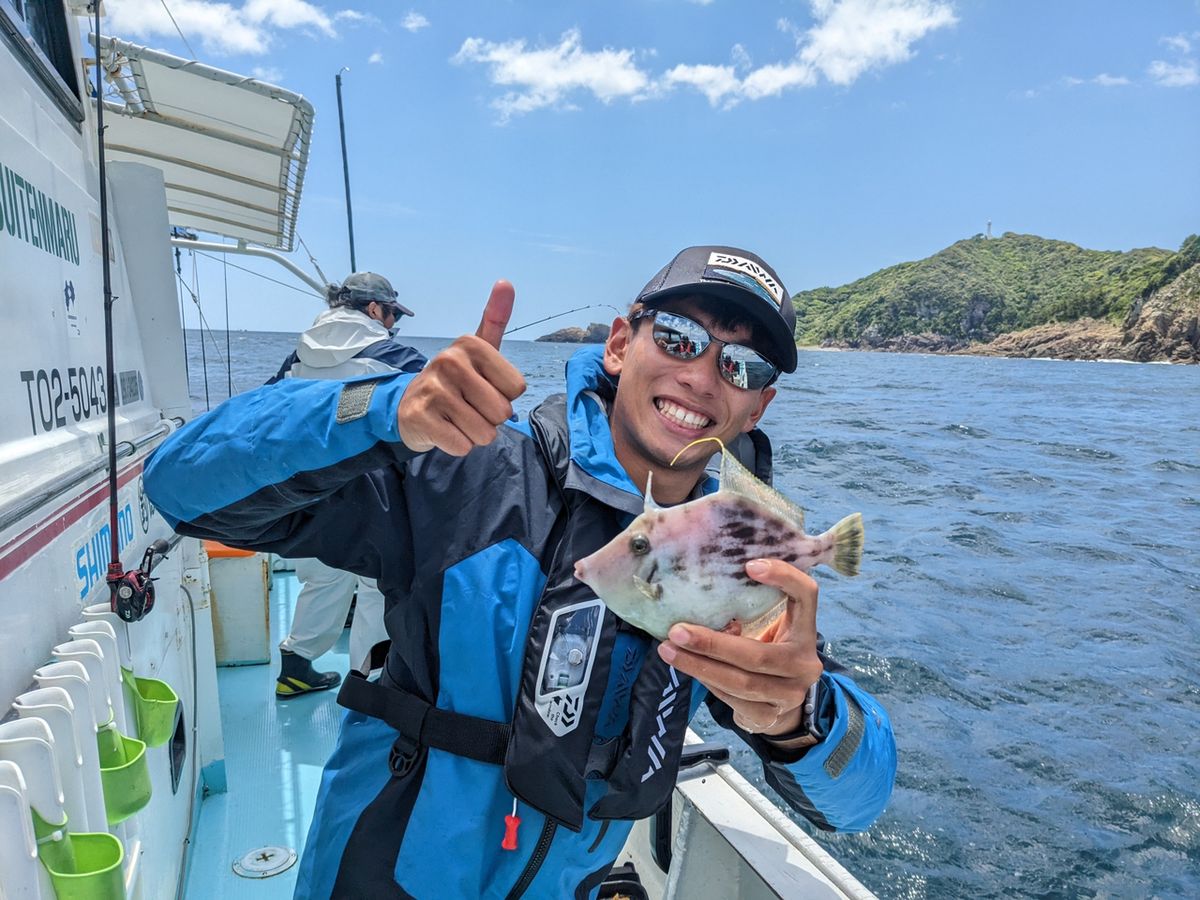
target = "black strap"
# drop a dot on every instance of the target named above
(425, 724)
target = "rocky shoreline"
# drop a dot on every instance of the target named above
(596, 333)
(1163, 328)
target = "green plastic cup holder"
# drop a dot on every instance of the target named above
(81, 866)
(154, 704)
(123, 774)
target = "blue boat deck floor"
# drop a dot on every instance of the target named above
(274, 754)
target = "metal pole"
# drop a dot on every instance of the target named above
(346, 166)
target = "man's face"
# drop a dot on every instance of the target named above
(383, 313)
(664, 403)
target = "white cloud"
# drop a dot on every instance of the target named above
(1178, 43)
(414, 21)
(376, 57)
(1184, 71)
(288, 14)
(854, 36)
(220, 27)
(848, 39)
(1103, 79)
(715, 82)
(269, 74)
(548, 76)
(770, 81)
(1184, 74)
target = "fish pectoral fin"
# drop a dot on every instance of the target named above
(653, 591)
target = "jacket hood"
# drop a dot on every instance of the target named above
(590, 393)
(337, 335)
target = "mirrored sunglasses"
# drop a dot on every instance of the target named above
(683, 338)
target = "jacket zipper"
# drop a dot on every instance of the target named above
(535, 861)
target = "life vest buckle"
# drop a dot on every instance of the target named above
(404, 756)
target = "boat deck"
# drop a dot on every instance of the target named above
(274, 753)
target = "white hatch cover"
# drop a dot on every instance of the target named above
(265, 862)
(232, 149)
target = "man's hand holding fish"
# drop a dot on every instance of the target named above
(764, 680)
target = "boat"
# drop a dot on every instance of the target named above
(117, 779)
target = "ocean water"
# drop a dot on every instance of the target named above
(1028, 609)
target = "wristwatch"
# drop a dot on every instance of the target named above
(809, 733)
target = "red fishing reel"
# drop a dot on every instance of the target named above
(132, 593)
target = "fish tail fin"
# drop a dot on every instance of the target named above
(847, 544)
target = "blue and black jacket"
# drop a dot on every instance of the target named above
(470, 553)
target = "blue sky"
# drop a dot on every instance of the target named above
(574, 147)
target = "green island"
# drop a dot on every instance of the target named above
(1018, 295)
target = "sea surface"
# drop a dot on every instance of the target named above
(1027, 611)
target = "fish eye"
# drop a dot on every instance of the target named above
(639, 544)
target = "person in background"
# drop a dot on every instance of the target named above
(353, 337)
(519, 728)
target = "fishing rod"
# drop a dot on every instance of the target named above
(561, 314)
(131, 593)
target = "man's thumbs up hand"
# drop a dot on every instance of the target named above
(496, 314)
(466, 391)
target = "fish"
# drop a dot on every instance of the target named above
(687, 563)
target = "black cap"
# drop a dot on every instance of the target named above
(743, 279)
(363, 287)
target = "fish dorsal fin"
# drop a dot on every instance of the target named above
(737, 479)
(649, 498)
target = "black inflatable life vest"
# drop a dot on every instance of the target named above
(548, 749)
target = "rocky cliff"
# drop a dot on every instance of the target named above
(1018, 295)
(596, 333)
(1165, 327)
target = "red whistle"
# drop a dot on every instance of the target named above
(511, 824)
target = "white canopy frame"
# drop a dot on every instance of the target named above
(233, 149)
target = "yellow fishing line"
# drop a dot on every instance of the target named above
(694, 443)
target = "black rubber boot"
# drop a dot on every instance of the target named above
(297, 676)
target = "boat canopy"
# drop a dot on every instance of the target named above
(232, 149)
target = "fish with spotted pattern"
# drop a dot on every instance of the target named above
(687, 563)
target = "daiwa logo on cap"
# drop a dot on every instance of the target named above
(745, 272)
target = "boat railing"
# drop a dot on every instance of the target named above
(15, 511)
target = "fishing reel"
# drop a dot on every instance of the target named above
(133, 592)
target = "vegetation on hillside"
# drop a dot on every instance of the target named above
(982, 287)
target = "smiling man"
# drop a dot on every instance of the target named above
(509, 688)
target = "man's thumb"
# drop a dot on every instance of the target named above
(497, 313)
